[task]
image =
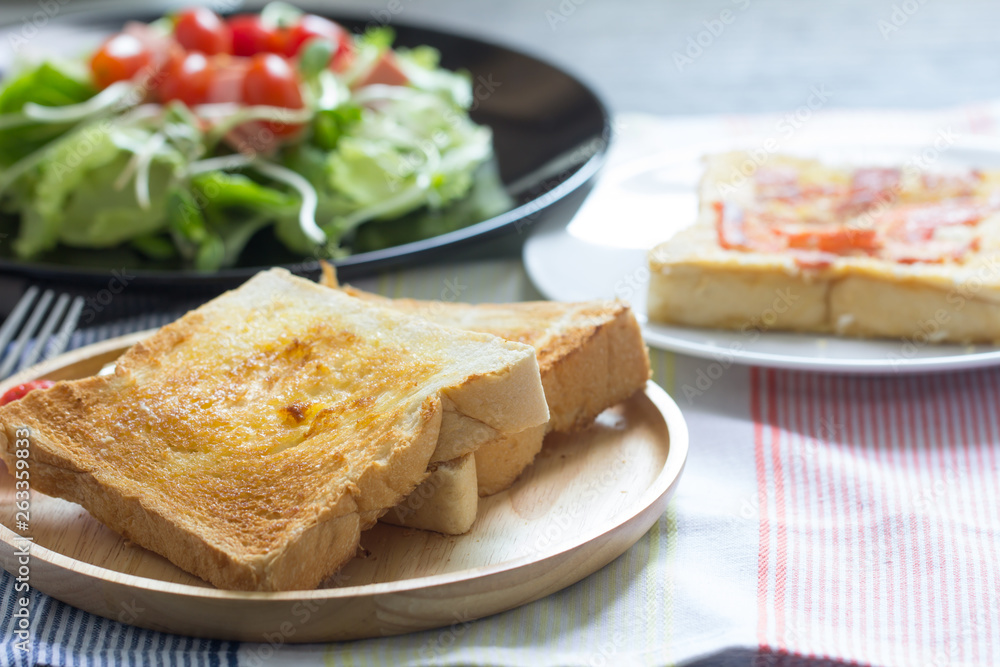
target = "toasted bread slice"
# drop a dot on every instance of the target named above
(501, 461)
(442, 502)
(591, 356)
(252, 440)
(803, 246)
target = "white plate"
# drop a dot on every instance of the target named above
(601, 254)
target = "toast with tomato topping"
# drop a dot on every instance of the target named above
(591, 356)
(795, 244)
(252, 441)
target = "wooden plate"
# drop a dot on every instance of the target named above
(587, 498)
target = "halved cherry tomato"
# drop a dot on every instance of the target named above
(385, 71)
(201, 29)
(271, 81)
(120, 58)
(18, 392)
(228, 73)
(251, 36)
(187, 78)
(310, 26)
(344, 56)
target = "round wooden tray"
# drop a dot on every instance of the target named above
(587, 498)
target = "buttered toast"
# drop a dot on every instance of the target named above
(591, 356)
(799, 245)
(251, 441)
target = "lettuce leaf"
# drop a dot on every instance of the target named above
(486, 198)
(76, 195)
(47, 84)
(221, 214)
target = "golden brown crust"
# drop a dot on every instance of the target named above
(597, 371)
(253, 439)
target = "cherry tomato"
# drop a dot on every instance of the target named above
(385, 71)
(251, 37)
(310, 26)
(271, 81)
(18, 392)
(187, 78)
(201, 29)
(119, 59)
(344, 56)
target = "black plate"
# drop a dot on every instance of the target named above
(550, 136)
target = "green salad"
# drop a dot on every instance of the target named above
(179, 141)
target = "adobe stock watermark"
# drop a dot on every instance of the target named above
(826, 431)
(750, 507)
(561, 13)
(706, 376)
(33, 23)
(97, 302)
(93, 135)
(954, 648)
(632, 283)
(23, 542)
(130, 612)
(417, 498)
(383, 17)
(447, 637)
(928, 500)
(483, 87)
(934, 329)
(899, 16)
(563, 522)
(784, 129)
(607, 651)
(698, 43)
(569, 164)
(923, 161)
(254, 138)
(273, 641)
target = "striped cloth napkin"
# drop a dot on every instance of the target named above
(877, 517)
(821, 519)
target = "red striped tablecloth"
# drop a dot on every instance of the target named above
(877, 502)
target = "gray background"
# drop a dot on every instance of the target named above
(944, 51)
